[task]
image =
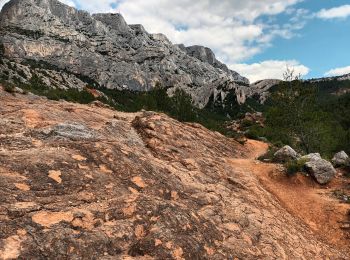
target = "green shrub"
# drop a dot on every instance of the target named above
(247, 123)
(4, 76)
(255, 132)
(183, 108)
(21, 73)
(278, 144)
(9, 88)
(269, 155)
(38, 87)
(295, 166)
(252, 135)
(342, 195)
(309, 117)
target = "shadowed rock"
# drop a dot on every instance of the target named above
(341, 159)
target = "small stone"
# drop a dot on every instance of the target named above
(55, 175)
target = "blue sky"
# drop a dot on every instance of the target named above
(321, 45)
(257, 38)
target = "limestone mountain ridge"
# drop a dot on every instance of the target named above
(70, 48)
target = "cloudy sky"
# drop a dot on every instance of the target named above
(257, 38)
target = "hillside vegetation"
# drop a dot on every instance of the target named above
(310, 116)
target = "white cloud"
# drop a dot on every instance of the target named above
(338, 71)
(232, 28)
(336, 12)
(2, 2)
(68, 2)
(269, 69)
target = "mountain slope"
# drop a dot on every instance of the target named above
(103, 50)
(87, 182)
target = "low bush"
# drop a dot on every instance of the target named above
(255, 132)
(9, 88)
(269, 155)
(247, 123)
(295, 166)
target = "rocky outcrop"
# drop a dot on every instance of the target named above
(103, 50)
(207, 55)
(312, 157)
(341, 159)
(86, 182)
(322, 170)
(337, 78)
(286, 154)
(261, 89)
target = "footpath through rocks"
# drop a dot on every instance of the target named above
(315, 205)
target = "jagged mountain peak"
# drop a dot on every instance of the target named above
(207, 55)
(40, 7)
(108, 51)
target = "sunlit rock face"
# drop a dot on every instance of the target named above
(104, 48)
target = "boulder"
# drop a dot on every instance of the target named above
(341, 159)
(285, 154)
(322, 170)
(312, 157)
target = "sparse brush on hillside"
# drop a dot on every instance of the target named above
(297, 116)
(178, 106)
(38, 87)
(297, 113)
(269, 155)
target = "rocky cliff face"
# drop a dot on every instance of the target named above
(261, 89)
(206, 55)
(87, 182)
(46, 36)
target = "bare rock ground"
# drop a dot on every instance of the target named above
(85, 182)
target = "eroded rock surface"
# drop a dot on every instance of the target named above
(261, 89)
(85, 182)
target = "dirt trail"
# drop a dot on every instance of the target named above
(300, 195)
